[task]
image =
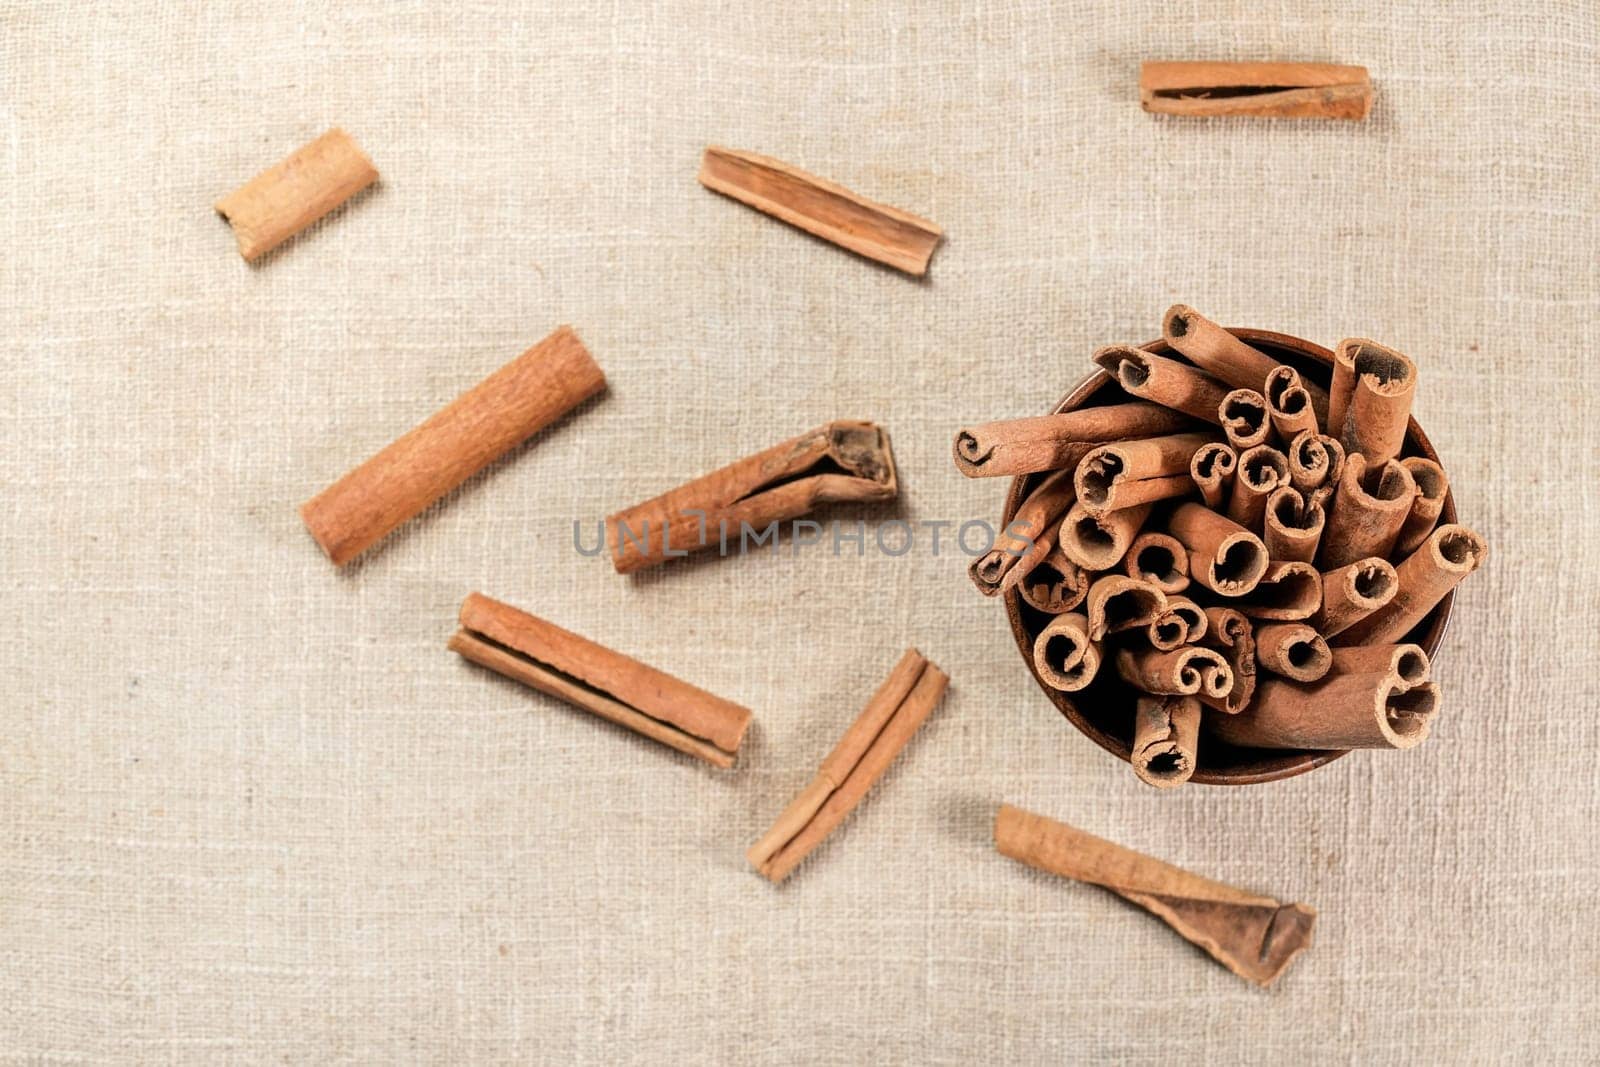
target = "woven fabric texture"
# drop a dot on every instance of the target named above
(251, 809)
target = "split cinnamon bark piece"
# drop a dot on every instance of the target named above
(1432, 484)
(839, 461)
(1253, 936)
(1245, 419)
(1422, 579)
(1183, 623)
(289, 196)
(1315, 463)
(891, 718)
(478, 427)
(1368, 510)
(1098, 542)
(1212, 470)
(1055, 584)
(1164, 381)
(1129, 473)
(1360, 710)
(1223, 556)
(1292, 528)
(1222, 355)
(822, 208)
(1261, 470)
(1037, 515)
(1183, 671)
(1288, 403)
(609, 684)
(1231, 633)
(1288, 592)
(1051, 442)
(1166, 732)
(1293, 650)
(1267, 90)
(1116, 603)
(1353, 592)
(1373, 386)
(1066, 657)
(1159, 559)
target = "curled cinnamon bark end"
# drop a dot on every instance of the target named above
(1053, 442)
(1098, 542)
(1315, 463)
(840, 461)
(1212, 470)
(1352, 592)
(609, 684)
(1288, 592)
(1163, 381)
(1262, 470)
(1368, 511)
(1232, 634)
(1116, 603)
(1253, 936)
(1128, 473)
(1203, 88)
(1184, 671)
(1432, 485)
(1223, 556)
(1166, 732)
(1293, 650)
(1288, 403)
(891, 718)
(1064, 654)
(289, 196)
(1292, 528)
(1423, 579)
(1244, 419)
(1159, 559)
(1054, 584)
(1374, 385)
(1182, 623)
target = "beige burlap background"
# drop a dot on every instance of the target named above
(251, 810)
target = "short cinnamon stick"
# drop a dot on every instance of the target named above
(1040, 512)
(1352, 592)
(1432, 485)
(1164, 381)
(1054, 584)
(1166, 732)
(1064, 654)
(1315, 463)
(1183, 671)
(1288, 591)
(1051, 442)
(1230, 632)
(1159, 559)
(1368, 510)
(1098, 542)
(1222, 355)
(1422, 579)
(1262, 470)
(1293, 650)
(1128, 473)
(1373, 385)
(1264, 90)
(1116, 603)
(1289, 404)
(1223, 556)
(1245, 419)
(1212, 470)
(1342, 711)
(1182, 623)
(289, 196)
(1292, 528)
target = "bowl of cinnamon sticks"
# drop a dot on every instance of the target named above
(1228, 556)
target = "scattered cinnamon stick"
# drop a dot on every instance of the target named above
(1293, 650)
(822, 208)
(479, 426)
(1255, 937)
(1230, 632)
(1291, 527)
(1352, 592)
(1128, 473)
(1422, 579)
(289, 196)
(1268, 90)
(1223, 556)
(888, 722)
(1368, 511)
(1164, 381)
(840, 461)
(1052, 442)
(1212, 470)
(1373, 386)
(1064, 654)
(609, 684)
(1166, 732)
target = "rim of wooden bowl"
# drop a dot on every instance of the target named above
(1241, 766)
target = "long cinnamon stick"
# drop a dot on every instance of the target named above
(1422, 579)
(1212, 470)
(1223, 556)
(1255, 937)
(479, 426)
(839, 461)
(1066, 657)
(1368, 511)
(1166, 732)
(1342, 711)
(1222, 355)
(1164, 381)
(1050, 442)
(1374, 385)
(1230, 632)
(609, 684)
(1266, 90)
(822, 208)
(1352, 592)
(289, 196)
(854, 766)
(1128, 473)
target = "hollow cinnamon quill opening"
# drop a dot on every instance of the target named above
(1064, 654)
(1166, 732)
(1288, 591)
(1244, 419)
(1098, 542)
(1159, 559)
(1116, 603)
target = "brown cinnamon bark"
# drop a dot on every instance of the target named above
(1352, 592)
(855, 765)
(1423, 579)
(1164, 381)
(1293, 650)
(1035, 518)
(1116, 603)
(1374, 385)
(1342, 711)
(1051, 442)
(1129, 473)
(289, 196)
(1054, 584)
(1098, 542)
(1166, 732)
(1255, 937)
(1432, 485)
(1231, 633)
(1368, 510)
(1262, 470)
(1315, 463)
(840, 461)
(1159, 559)
(1267, 90)
(1408, 663)
(1223, 556)
(1292, 528)
(1212, 470)
(479, 426)
(1244, 419)
(1183, 671)
(1288, 592)
(1183, 623)
(822, 208)
(1066, 657)
(1223, 356)
(609, 684)
(1288, 403)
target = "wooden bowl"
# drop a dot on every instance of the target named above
(1104, 711)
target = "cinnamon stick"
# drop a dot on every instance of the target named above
(1232, 634)
(1164, 381)
(1288, 403)
(1098, 542)
(1253, 936)
(1159, 559)
(1116, 603)
(1050, 442)
(1352, 592)
(822, 208)
(1288, 591)
(1166, 732)
(1315, 463)
(1222, 355)
(862, 756)
(1368, 510)
(1182, 623)
(609, 684)
(1066, 657)
(1343, 711)
(1054, 584)
(839, 461)
(1408, 663)
(1245, 419)
(1128, 473)
(1038, 513)
(1293, 650)
(289, 196)
(1422, 579)
(1374, 385)
(1263, 90)
(1223, 556)
(1261, 470)
(479, 426)
(1291, 527)
(1212, 470)
(1183, 671)
(1432, 484)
